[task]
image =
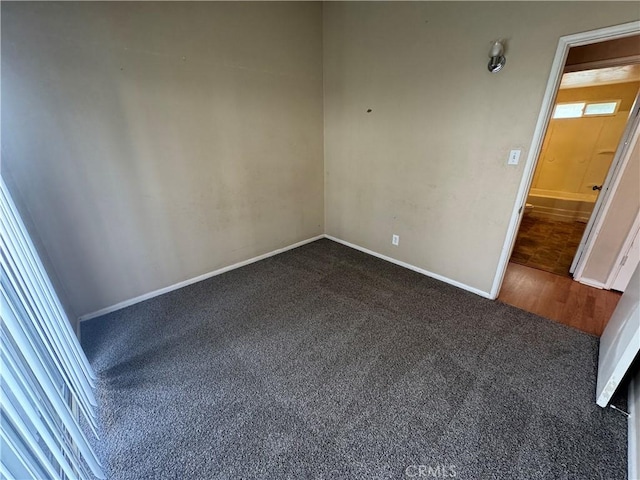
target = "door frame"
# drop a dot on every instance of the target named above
(624, 251)
(553, 83)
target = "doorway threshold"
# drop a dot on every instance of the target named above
(558, 298)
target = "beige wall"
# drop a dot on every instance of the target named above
(429, 162)
(154, 142)
(577, 152)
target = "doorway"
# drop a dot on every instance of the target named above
(589, 117)
(575, 43)
(581, 204)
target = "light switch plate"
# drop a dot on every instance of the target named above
(514, 157)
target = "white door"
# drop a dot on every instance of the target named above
(628, 260)
(627, 142)
(620, 342)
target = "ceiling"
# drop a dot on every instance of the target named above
(601, 76)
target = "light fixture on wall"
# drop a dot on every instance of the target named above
(497, 58)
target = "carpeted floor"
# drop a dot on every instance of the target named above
(326, 363)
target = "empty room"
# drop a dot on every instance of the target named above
(293, 240)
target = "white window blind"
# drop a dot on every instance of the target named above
(46, 381)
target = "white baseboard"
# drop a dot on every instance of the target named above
(591, 283)
(184, 283)
(455, 283)
(633, 437)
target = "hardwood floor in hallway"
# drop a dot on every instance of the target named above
(547, 244)
(558, 298)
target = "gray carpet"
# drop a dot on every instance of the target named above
(324, 362)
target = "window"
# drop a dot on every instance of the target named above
(569, 110)
(605, 108)
(585, 109)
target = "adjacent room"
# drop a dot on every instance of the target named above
(590, 116)
(577, 243)
(285, 240)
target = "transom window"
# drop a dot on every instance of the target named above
(585, 109)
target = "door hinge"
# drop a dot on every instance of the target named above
(624, 260)
(520, 210)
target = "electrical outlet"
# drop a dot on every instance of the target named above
(395, 239)
(514, 157)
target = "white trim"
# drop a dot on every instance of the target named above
(455, 283)
(604, 211)
(592, 283)
(624, 251)
(633, 436)
(190, 281)
(546, 109)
